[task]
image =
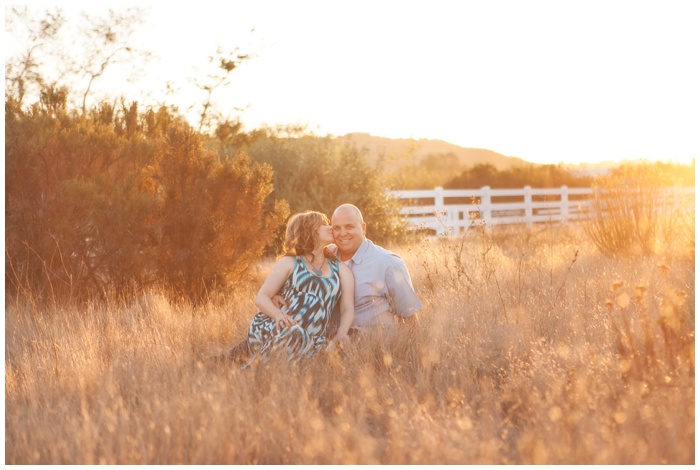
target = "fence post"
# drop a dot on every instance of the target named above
(439, 198)
(439, 201)
(486, 207)
(564, 203)
(527, 196)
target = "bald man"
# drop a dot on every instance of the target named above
(383, 287)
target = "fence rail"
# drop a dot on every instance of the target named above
(451, 211)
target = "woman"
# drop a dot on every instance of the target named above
(312, 281)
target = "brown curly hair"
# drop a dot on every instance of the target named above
(302, 233)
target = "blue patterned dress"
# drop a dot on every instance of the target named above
(310, 301)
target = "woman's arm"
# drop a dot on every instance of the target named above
(272, 285)
(347, 304)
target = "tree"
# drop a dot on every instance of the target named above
(108, 199)
(76, 220)
(103, 42)
(318, 173)
(211, 212)
(538, 176)
(434, 170)
(107, 41)
(23, 72)
(116, 200)
(211, 118)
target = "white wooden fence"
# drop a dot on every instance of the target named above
(451, 211)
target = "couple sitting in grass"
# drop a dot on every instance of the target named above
(331, 282)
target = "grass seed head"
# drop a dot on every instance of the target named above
(615, 286)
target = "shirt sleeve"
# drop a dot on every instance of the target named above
(402, 297)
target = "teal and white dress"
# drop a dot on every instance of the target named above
(310, 300)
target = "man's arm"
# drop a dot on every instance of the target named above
(402, 297)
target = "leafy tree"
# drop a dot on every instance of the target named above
(318, 173)
(539, 176)
(430, 172)
(75, 219)
(114, 200)
(212, 222)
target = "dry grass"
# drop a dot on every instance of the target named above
(533, 348)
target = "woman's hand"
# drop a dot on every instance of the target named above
(285, 321)
(278, 301)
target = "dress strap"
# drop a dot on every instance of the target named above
(335, 267)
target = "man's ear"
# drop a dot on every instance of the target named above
(364, 229)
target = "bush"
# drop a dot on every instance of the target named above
(536, 176)
(633, 211)
(319, 173)
(113, 200)
(211, 213)
(76, 223)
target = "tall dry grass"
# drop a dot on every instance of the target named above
(533, 348)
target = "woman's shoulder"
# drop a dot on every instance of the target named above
(287, 262)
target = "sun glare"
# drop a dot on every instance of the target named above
(544, 81)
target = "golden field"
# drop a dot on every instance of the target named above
(533, 348)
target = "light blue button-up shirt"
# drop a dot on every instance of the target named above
(383, 287)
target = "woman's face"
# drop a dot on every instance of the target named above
(325, 234)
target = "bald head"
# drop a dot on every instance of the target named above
(350, 211)
(348, 230)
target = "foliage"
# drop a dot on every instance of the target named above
(23, 72)
(226, 63)
(69, 195)
(212, 220)
(634, 210)
(536, 176)
(432, 171)
(115, 200)
(664, 173)
(106, 44)
(318, 173)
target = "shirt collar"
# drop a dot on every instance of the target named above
(361, 252)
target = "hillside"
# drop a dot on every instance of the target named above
(398, 153)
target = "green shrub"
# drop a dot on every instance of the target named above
(319, 173)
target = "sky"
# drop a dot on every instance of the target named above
(547, 81)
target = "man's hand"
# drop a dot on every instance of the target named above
(340, 340)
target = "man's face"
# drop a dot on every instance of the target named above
(348, 232)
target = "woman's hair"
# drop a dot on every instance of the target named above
(302, 233)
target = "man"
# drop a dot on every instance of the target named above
(383, 287)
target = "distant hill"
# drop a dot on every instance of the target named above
(402, 153)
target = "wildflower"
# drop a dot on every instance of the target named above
(387, 359)
(680, 297)
(623, 300)
(665, 269)
(555, 414)
(615, 286)
(640, 290)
